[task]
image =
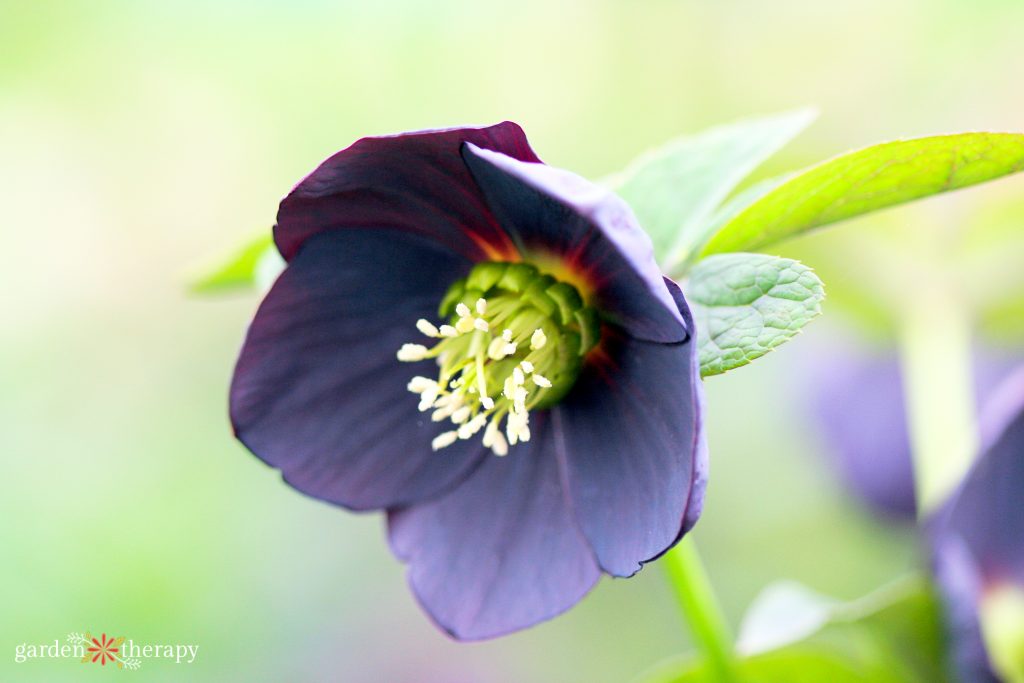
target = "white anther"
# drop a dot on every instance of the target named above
(538, 339)
(517, 420)
(492, 429)
(499, 446)
(494, 439)
(472, 427)
(442, 413)
(524, 433)
(429, 396)
(427, 328)
(444, 440)
(519, 400)
(418, 385)
(496, 349)
(462, 393)
(412, 352)
(446, 405)
(517, 428)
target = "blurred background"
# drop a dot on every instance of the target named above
(140, 139)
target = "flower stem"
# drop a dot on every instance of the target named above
(936, 359)
(700, 608)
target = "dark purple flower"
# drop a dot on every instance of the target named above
(978, 545)
(853, 392)
(855, 396)
(553, 337)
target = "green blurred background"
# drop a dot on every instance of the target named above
(139, 139)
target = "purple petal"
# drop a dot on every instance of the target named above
(318, 392)
(500, 552)
(1003, 407)
(699, 485)
(977, 536)
(856, 396)
(988, 510)
(959, 585)
(414, 183)
(553, 214)
(632, 446)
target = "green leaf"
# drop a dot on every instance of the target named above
(989, 268)
(1004, 321)
(894, 632)
(868, 180)
(805, 664)
(893, 635)
(252, 266)
(784, 613)
(675, 189)
(745, 305)
(722, 215)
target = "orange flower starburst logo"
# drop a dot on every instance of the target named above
(103, 649)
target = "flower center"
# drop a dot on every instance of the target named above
(514, 342)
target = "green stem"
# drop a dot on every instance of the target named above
(936, 359)
(700, 608)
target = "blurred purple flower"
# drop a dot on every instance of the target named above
(855, 397)
(978, 545)
(555, 319)
(853, 392)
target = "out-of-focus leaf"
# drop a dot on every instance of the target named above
(903, 617)
(675, 189)
(784, 613)
(745, 305)
(1004, 320)
(867, 180)
(990, 268)
(252, 266)
(890, 636)
(722, 215)
(906, 620)
(793, 665)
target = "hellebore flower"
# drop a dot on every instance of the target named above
(553, 429)
(854, 397)
(853, 394)
(978, 548)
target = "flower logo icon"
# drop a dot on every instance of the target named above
(103, 649)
